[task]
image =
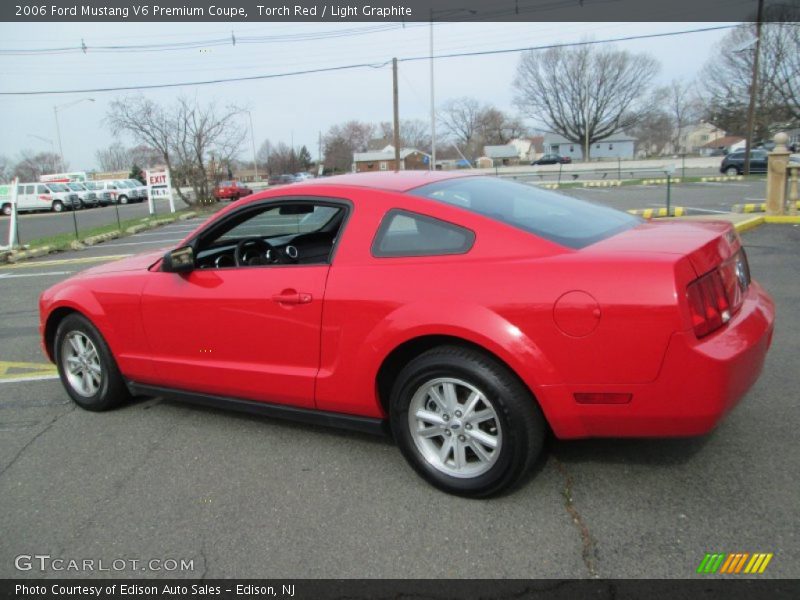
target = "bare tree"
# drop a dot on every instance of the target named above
(6, 169)
(497, 128)
(263, 154)
(461, 120)
(31, 166)
(414, 133)
(194, 140)
(684, 107)
(113, 158)
(727, 77)
(342, 141)
(585, 93)
(654, 131)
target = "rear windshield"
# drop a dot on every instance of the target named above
(554, 217)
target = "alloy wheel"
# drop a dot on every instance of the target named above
(455, 427)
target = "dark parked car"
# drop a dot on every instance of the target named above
(733, 164)
(231, 190)
(552, 159)
(282, 179)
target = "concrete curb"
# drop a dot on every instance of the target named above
(661, 181)
(99, 239)
(654, 213)
(753, 207)
(32, 253)
(603, 183)
(720, 178)
(771, 219)
(13, 256)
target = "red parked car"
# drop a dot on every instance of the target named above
(231, 190)
(469, 314)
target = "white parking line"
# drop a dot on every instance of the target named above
(15, 275)
(162, 242)
(24, 378)
(708, 210)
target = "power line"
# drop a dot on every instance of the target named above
(369, 65)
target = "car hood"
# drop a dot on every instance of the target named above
(137, 262)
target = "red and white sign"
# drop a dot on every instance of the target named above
(159, 186)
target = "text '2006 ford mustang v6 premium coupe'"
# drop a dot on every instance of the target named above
(469, 313)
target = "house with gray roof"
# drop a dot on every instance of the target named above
(617, 145)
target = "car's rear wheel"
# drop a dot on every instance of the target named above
(465, 422)
(7, 209)
(731, 171)
(86, 366)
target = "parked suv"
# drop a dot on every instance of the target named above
(87, 197)
(733, 163)
(43, 196)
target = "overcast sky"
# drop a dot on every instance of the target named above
(297, 107)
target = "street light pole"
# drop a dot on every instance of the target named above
(52, 146)
(58, 128)
(58, 136)
(253, 139)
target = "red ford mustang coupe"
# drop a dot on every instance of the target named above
(468, 313)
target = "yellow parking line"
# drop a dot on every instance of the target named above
(65, 261)
(26, 371)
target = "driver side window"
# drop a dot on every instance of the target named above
(302, 232)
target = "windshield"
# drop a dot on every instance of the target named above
(76, 187)
(133, 182)
(554, 217)
(57, 187)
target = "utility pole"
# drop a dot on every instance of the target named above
(751, 109)
(433, 108)
(253, 139)
(320, 168)
(396, 103)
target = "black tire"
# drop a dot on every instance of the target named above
(123, 199)
(58, 206)
(7, 210)
(731, 171)
(521, 423)
(111, 391)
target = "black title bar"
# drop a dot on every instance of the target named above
(234, 11)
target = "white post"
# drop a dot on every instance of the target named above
(12, 223)
(169, 191)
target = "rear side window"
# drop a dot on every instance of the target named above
(403, 233)
(555, 217)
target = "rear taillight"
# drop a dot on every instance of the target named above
(716, 296)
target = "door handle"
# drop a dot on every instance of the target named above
(292, 297)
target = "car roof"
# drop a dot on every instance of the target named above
(396, 181)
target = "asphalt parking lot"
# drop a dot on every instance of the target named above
(251, 497)
(698, 198)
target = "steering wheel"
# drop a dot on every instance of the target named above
(264, 252)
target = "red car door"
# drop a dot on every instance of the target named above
(248, 332)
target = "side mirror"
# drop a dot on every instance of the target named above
(180, 260)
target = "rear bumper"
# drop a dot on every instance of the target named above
(699, 382)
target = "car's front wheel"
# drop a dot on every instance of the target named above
(465, 422)
(731, 171)
(86, 366)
